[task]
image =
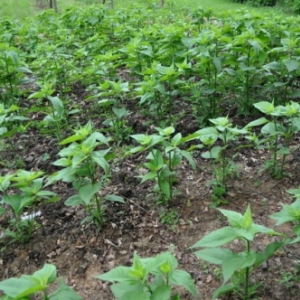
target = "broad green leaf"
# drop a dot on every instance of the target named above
(214, 255)
(291, 64)
(187, 155)
(87, 191)
(66, 175)
(114, 198)
(265, 107)
(176, 140)
(64, 292)
(63, 162)
(118, 274)
(183, 278)
(213, 153)
(289, 213)
(19, 288)
(57, 104)
(74, 201)
(159, 264)
(217, 238)
(148, 176)
(122, 290)
(220, 122)
(162, 292)
(47, 273)
(236, 262)
(235, 219)
(101, 161)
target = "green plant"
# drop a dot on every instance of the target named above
(31, 195)
(149, 279)
(278, 131)
(10, 123)
(83, 165)
(57, 115)
(290, 213)
(227, 134)
(163, 157)
(236, 267)
(11, 73)
(37, 284)
(118, 124)
(171, 217)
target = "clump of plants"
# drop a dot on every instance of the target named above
(149, 279)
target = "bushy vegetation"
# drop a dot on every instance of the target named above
(139, 58)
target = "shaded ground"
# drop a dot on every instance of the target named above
(80, 252)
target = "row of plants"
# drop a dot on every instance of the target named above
(84, 162)
(201, 59)
(154, 278)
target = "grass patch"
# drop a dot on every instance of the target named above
(17, 8)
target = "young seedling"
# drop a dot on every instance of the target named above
(118, 124)
(236, 267)
(58, 114)
(88, 170)
(37, 284)
(31, 195)
(224, 132)
(290, 214)
(149, 279)
(164, 156)
(278, 131)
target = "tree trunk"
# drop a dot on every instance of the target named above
(53, 4)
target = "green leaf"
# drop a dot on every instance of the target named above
(165, 187)
(235, 262)
(176, 140)
(291, 64)
(47, 273)
(208, 135)
(74, 201)
(187, 155)
(224, 289)
(101, 161)
(217, 238)
(63, 162)
(122, 291)
(64, 293)
(19, 288)
(258, 122)
(265, 107)
(57, 104)
(87, 191)
(214, 255)
(183, 278)
(213, 153)
(269, 251)
(114, 198)
(162, 292)
(148, 176)
(288, 213)
(118, 274)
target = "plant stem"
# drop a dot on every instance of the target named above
(246, 292)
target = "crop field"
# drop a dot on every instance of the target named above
(150, 153)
